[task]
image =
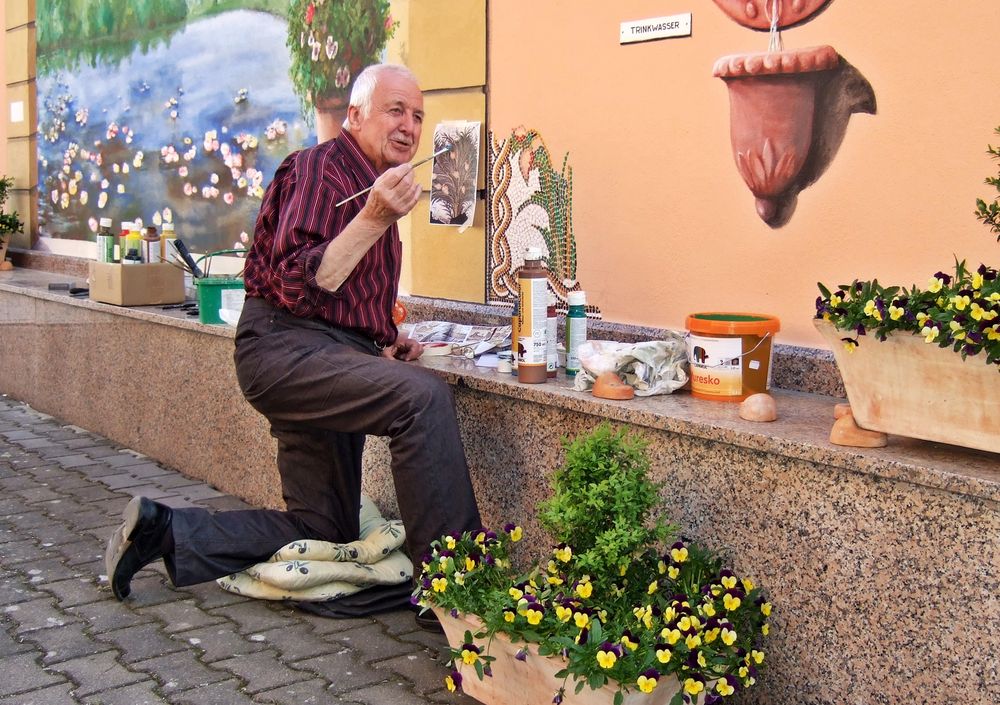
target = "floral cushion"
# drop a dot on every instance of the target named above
(313, 571)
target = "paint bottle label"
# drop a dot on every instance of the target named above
(533, 290)
(576, 330)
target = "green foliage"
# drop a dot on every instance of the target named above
(9, 222)
(330, 42)
(989, 211)
(602, 502)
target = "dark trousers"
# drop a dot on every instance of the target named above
(323, 389)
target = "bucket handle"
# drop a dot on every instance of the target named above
(741, 355)
(220, 252)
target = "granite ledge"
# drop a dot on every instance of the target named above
(801, 431)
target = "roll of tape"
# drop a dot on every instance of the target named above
(431, 349)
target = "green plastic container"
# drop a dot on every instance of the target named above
(212, 291)
(210, 296)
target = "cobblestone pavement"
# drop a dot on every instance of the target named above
(64, 638)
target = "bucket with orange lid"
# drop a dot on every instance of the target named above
(730, 354)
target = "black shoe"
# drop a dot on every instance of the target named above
(136, 543)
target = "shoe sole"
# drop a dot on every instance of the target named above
(120, 542)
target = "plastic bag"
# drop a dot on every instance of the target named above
(650, 367)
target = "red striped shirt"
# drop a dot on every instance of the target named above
(298, 219)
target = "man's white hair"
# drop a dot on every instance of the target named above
(364, 86)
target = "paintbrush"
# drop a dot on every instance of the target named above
(415, 165)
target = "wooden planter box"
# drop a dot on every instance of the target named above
(911, 388)
(533, 681)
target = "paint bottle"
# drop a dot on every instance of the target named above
(167, 249)
(105, 242)
(133, 241)
(122, 237)
(533, 289)
(576, 330)
(151, 250)
(515, 330)
(551, 326)
(132, 257)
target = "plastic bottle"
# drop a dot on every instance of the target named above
(105, 242)
(133, 241)
(167, 249)
(551, 326)
(533, 288)
(576, 330)
(515, 331)
(151, 246)
(132, 257)
(122, 237)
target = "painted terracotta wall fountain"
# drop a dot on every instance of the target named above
(785, 122)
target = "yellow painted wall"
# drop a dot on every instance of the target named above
(665, 225)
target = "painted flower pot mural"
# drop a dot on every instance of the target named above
(330, 42)
(772, 97)
(757, 14)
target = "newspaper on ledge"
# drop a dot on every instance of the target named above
(478, 339)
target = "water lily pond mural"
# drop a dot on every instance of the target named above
(168, 110)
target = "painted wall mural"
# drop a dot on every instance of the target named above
(162, 110)
(789, 109)
(453, 185)
(531, 205)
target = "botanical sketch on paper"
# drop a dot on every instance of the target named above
(453, 187)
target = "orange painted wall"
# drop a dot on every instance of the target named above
(665, 225)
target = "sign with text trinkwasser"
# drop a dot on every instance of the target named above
(656, 28)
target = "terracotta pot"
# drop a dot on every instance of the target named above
(911, 388)
(533, 680)
(330, 114)
(772, 99)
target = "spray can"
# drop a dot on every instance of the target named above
(533, 289)
(576, 330)
(551, 326)
(105, 242)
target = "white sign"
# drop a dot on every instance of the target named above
(656, 28)
(17, 111)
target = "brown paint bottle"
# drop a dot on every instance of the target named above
(533, 290)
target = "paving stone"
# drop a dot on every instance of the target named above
(7, 534)
(95, 493)
(55, 532)
(263, 671)
(225, 693)
(151, 587)
(197, 492)
(209, 596)
(397, 622)
(108, 615)
(149, 470)
(219, 642)
(55, 451)
(142, 693)
(150, 491)
(121, 480)
(395, 693)
(49, 569)
(8, 644)
(371, 644)
(76, 591)
(181, 670)
(253, 616)
(97, 673)
(61, 694)
(36, 614)
(299, 643)
(315, 691)
(22, 673)
(15, 588)
(139, 643)
(124, 459)
(176, 480)
(99, 470)
(98, 451)
(431, 641)
(180, 616)
(86, 518)
(425, 675)
(82, 556)
(19, 435)
(325, 625)
(18, 483)
(343, 670)
(75, 461)
(67, 642)
(24, 520)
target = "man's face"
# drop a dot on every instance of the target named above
(390, 134)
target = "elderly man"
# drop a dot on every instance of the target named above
(318, 354)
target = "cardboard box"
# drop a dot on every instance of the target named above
(136, 284)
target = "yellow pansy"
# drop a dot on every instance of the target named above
(671, 635)
(673, 572)
(450, 683)
(653, 587)
(628, 643)
(470, 564)
(459, 578)
(977, 281)
(661, 567)
(765, 609)
(693, 687)
(934, 285)
(564, 553)
(960, 301)
(765, 629)
(693, 641)
(729, 582)
(554, 580)
(835, 300)
(663, 655)
(757, 656)
(645, 684)
(895, 312)
(748, 585)
(439, 584)
(606, 659)
(929, 333)
(469, 657)
(534, 616)
(517, 534)
(581, 619)
(584, 589)
(450, 543)
(872, 310)
(723, 688)
(708, 609)
(509, 616)
(730, 602)
(728, 636)
(711, 635)
(679, 555)
(516, 593)
(563, 613)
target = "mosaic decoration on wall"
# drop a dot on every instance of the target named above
(453, 186)
(531, 205)
(161, 110)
